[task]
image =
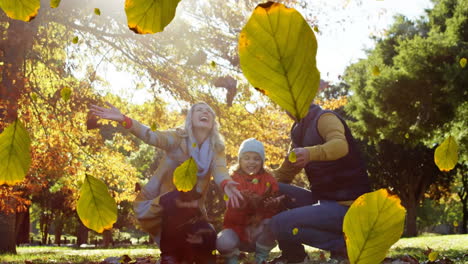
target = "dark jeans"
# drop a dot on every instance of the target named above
(319, 224)
(177, 224)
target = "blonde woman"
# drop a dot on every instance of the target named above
(158, 199)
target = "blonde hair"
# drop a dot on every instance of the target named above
(216, 139)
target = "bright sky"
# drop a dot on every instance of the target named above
(345, 28)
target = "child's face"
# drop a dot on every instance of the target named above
(250, 162)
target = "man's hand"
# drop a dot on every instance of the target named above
(302, 157)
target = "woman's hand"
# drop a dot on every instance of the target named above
(302, 157)
(111, 113)
(233, 193)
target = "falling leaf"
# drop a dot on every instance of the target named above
(65, 93)
(213, 64)
(213, 252)
(268, 184)
(75, 40)
(185, 176)
(292, 157)
(154, 126)
(33, 97)
(446, 155)
(406, 135)
(96, 208)
(433, 256)
(463, 62)
(225, 197)
(194, 145)
(25, 10)
(255, 181)
(381, 219)
(295, 231)
(124, 124)
(15, 156)
(316, 29)
(375, 71)
(149, 16)
(97, 11)
(54, 3)
(287, 70)
(455, 223)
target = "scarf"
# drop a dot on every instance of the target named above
(203, 155)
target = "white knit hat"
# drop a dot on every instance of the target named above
(252, 145)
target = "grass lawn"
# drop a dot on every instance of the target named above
(454, 247)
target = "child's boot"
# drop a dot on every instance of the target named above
(261, 253)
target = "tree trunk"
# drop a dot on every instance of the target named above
(81, 234)
(7, 233)
(107, 237)
(58, 230)
(411, 213)
(22, 227)
(465, 215)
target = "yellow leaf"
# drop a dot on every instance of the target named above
(455, 223)
(185, 176)
(213, 64)
(316, 29)
(25, 10)
(433, 256)
(295, 231)
(213, 252)
(463, 62)
(225, 197)
(96, 207)
(373, 223)
(154, 126)
(194, 145)
(268, 184)
(292, 157)
(75, 40)
(65, 93)
(54, 3)
(33, 97)
(446, 155)
(287, 70)
(375, 71)
(15, 156)
(97, 11)
(149, 16)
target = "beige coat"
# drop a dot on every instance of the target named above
(146, 205)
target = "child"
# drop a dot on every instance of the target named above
(245, 227)
(186, 236)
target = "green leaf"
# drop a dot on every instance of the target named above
(97, 11)
(75, 40)
(25, 10)
(446, 155)
(277, 51)
(149, 16)
(65, 93)
(373, 223)
(213, 64)
(54, 3)
(96, 208)
(463, 62)
(15, 156)
(185, 176)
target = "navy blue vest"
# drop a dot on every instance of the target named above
(339, 180)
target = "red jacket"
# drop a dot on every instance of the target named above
(239, 218)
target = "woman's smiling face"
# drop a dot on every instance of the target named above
(202, 117)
